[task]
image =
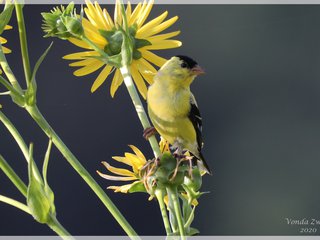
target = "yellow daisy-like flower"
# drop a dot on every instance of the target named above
(102, 30)
(3, 41)
(136, 161)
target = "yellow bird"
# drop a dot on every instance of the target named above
(173, 109)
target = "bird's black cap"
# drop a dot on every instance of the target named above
(187, 62)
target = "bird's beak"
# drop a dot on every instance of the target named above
(197, 70)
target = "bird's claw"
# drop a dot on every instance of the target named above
(148, 132)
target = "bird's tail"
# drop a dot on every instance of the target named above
(204, 163)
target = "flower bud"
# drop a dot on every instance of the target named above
(195, 181)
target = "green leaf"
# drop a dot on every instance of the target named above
(32, 86)
(137, 187)
(36, 197)
(5, 16)
(193, 231)
(139, 43)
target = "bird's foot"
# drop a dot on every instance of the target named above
(148, 132)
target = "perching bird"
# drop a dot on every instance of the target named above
(172, 107)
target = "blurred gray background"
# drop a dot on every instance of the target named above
(260, 102)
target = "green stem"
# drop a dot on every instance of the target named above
(160, 195)
(7, 70)
(15, 203)
(139, 108)
(17, 137)
(172, 191)
(23, 42)
(74, 162)
(55, 225)
(15, 179)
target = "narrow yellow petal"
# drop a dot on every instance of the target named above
(101, 78)
(153, 58)
(80, 55)
(128, 10)
(161, 37)
(135, 14)
(123, 189)
(7, 27)
(115, 178)
(93, 16)
(161, 27)
(164, 44)
(88, 69)
(147, 70)
(92, 33)
(138, 153)
(151, 24)
(139, 81)
(136, 162)
(116, 82)
(108, 18)
(6, 50)
(3, 40)
(99, 13)
(118, 171)
(83, 62)
(79, 43)
(117, 13)
(145, 13)
(122, 160)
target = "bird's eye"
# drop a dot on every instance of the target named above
(184, 65)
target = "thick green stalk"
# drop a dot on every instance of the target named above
(160, 195)
(172, 191)
(15, 179)
(139, 108)
(23, 42)
(74, 162)
(15, 203)
(55, 225)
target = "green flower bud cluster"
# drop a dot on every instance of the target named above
(62, 23)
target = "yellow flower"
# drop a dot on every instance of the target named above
(102, 30)
(136, 161)
(3, 41)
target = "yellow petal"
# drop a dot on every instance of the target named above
(101, 17)
(161, 37)
(138, 153)
(136, 162)
(93, 16)
(116, 82)
(83, 62)
(92, 33)
(164, 44)
(145, 13)
(3, 40)
(7, 27)
(115, 178)
(123, 189)
(122, 160)
(159, 28)
(80, 55)
(118, 171)
(101, 78)
(117, 13)
(135, 14)
(6, 50)
(155, 22)
(108, 18)
(147, 70)
(88, 69)
(153, 58)
(128, 10)
(139, 81)
(79, 43)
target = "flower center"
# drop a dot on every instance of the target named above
(115, 39)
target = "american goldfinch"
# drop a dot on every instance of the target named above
(173, 109)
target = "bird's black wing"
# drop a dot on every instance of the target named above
(195, 118)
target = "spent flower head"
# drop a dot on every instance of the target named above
(106, 34)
